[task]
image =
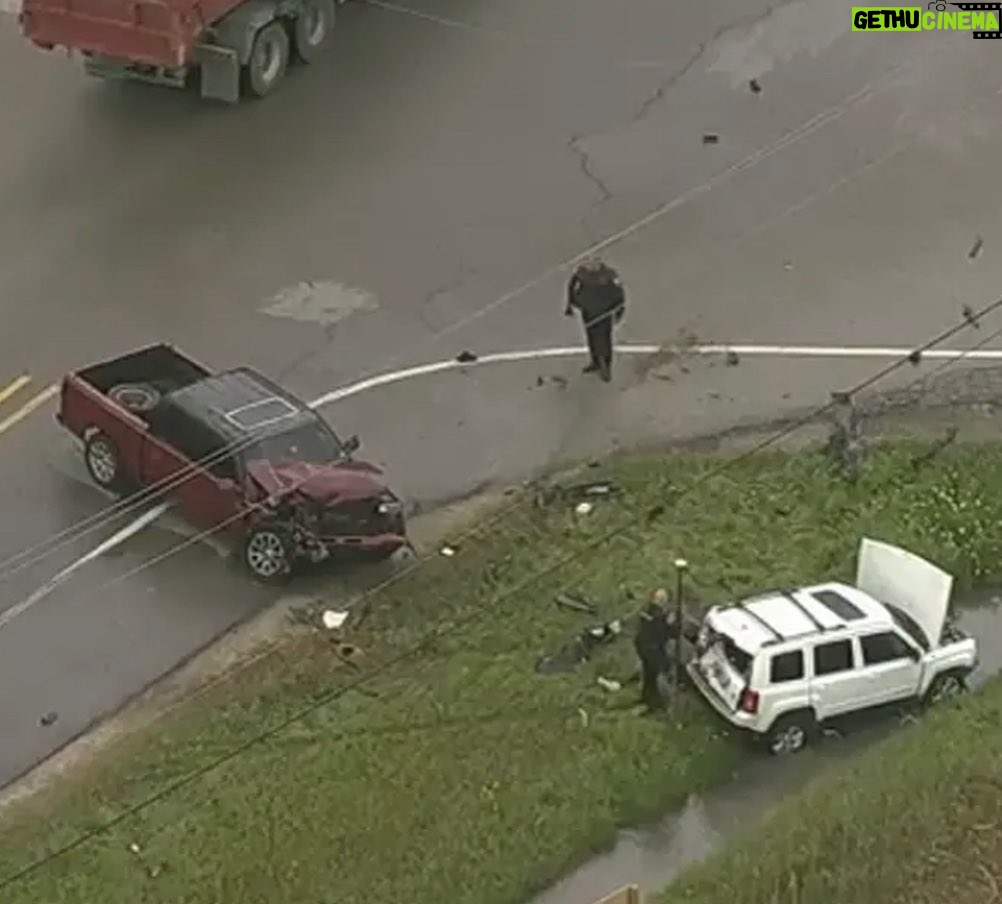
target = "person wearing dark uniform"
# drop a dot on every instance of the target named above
(651, 643)
(596, 291)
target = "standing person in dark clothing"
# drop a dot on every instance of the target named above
(651, 643)
(597, 292)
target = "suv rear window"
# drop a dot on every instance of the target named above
(832, 657)
(838, 604)
(786, 667)
(737, 657)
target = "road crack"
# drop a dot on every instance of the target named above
(655, 98)
(588, 170)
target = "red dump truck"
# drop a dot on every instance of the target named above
(233, 48)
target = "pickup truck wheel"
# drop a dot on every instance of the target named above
(266, 555)
(312, 29)
(269, 58)
(947, 686)
(789, 734)
(103, 462)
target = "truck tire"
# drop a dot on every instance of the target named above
(269, 59)
(312, 29)
(266, 555)
(790, 733)
(103, 462)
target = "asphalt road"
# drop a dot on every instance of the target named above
(384, 208)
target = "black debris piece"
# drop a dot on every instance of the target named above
(754, 86)
(732, 359)
(48, 719)
(559, 381)
(976, 248)
(970, 316)
(915, 358)
(540, 381)
(465, 357)
(711, 138)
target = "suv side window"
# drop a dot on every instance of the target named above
(786, 667)
(832, 657)
(883, 647)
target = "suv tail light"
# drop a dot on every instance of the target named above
(749, 701)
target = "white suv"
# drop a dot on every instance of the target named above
(781, 663)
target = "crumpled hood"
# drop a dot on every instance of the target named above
(323, 483)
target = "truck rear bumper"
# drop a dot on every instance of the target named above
(112, 68)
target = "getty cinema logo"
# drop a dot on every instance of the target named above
(981, 19)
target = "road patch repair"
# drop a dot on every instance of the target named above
(438, 726)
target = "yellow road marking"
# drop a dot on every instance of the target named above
(14, 388)
(29, 406)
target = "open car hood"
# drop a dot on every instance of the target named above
(901, 578)
(346, 480)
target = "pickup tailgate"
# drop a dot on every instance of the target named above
(159, 33)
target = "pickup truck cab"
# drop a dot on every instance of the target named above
(235, 454)
(782, 663)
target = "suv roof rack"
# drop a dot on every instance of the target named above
(756, 617)
(788, 594)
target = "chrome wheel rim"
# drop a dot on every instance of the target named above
(269, 59)
(316, 25)
(102, 462)
(266, 554)
(789, 740)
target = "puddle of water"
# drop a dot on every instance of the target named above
(654, 856)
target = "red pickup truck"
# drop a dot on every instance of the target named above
(236, 453)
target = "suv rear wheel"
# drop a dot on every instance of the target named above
(790, 733)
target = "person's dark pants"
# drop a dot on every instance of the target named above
(599, 335)
(651, 668)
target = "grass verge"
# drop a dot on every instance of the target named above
(460, 774)
(915, 821)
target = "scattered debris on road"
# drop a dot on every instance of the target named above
(970, 316)
(732, 359)
(754, 86)
(976, 248)
(466, 357)
(915, 358)
(48, 719)
(711, 138)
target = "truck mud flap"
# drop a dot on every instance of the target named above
(220, 72)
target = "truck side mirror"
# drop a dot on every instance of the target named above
(351, 445)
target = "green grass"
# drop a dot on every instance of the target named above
(917, 820)
(462, 775)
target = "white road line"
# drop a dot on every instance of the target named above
(749, 351)
(114, 540)
(28, 407)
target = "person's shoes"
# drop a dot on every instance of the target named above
(605, 372)
(591, 368)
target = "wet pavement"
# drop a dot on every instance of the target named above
(655, 856)
(412, 195)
